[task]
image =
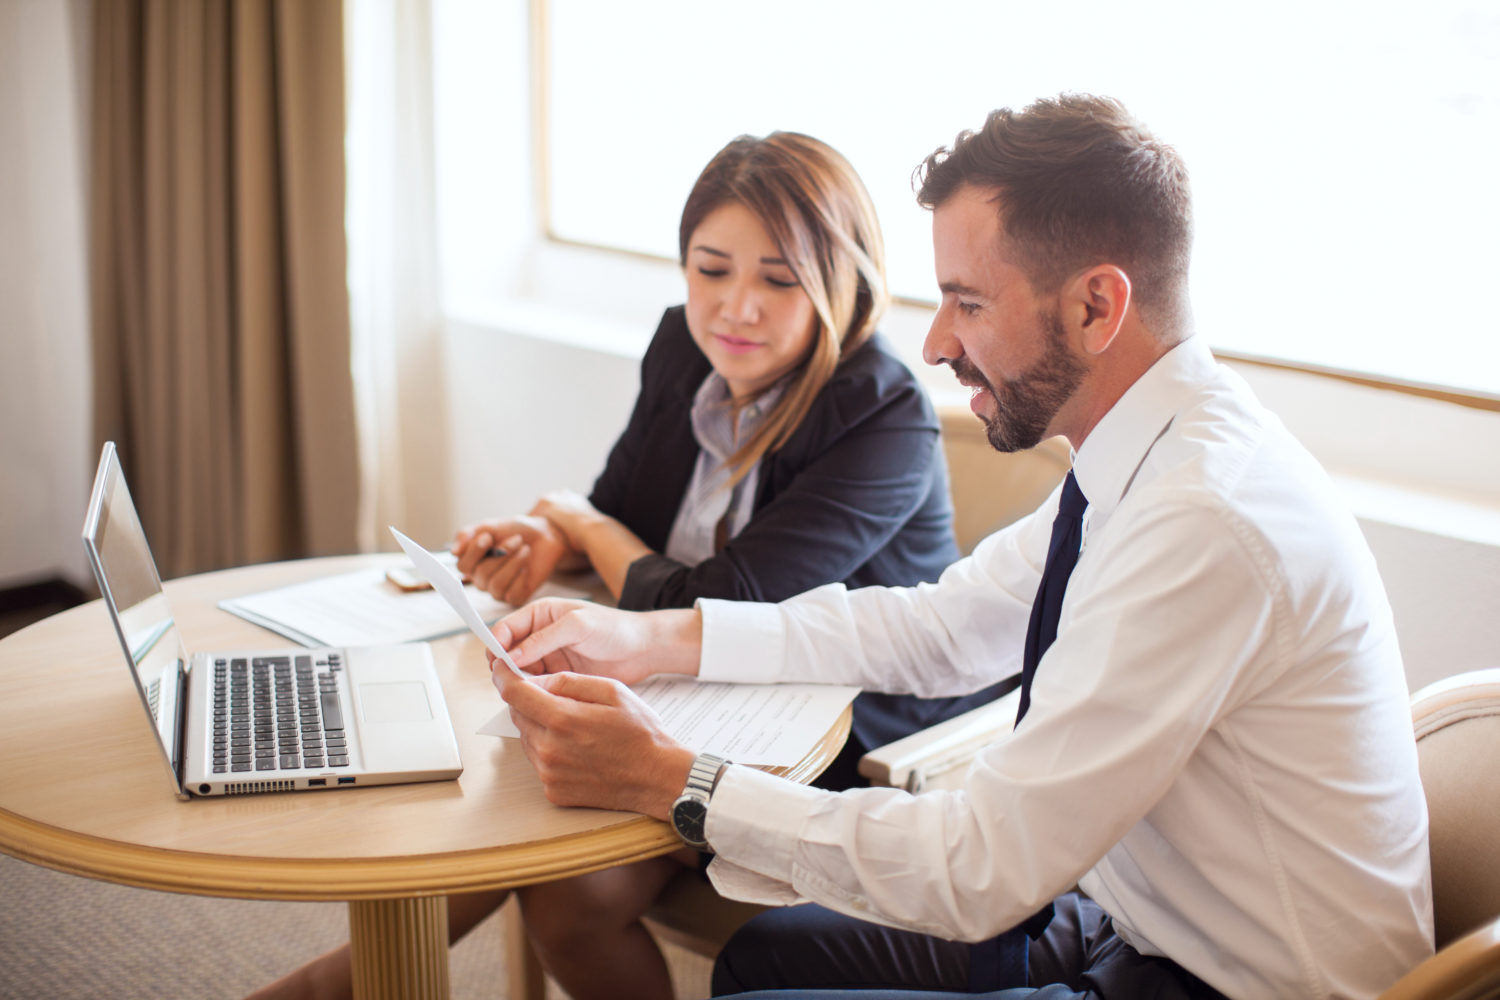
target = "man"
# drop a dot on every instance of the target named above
(1216, 747)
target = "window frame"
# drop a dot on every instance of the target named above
(540, 51)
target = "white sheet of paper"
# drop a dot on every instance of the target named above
(447, 583)
(351, 609)
(769, 724)
(363, 609)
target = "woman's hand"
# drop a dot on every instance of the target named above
(530, 549)
(609, 546)
(570, 513)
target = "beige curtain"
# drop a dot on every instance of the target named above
(220, 308)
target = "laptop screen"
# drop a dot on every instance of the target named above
(132, 592)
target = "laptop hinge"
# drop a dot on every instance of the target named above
(171, 721)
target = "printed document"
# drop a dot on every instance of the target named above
(770, 724)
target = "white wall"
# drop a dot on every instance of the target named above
(529, 414)
(45, 450)
(1445, 593)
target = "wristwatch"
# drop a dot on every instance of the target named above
(690, 811)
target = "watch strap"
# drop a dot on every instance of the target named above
(704, 774)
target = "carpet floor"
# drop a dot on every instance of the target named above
(68, 938)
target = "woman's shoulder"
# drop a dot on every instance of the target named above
(873, 381)
(672, 334)
(672, 357)
(871, 392)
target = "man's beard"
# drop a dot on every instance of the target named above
(1026, 405)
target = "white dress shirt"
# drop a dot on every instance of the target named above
(1219, 749)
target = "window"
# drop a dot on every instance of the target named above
(1341, 156)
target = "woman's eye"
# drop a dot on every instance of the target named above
(709, 272)
(783, 282)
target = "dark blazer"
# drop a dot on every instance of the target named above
(857, 495)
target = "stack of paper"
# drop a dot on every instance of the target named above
(363, 608)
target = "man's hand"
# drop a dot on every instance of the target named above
(579, 637)
(593, 742)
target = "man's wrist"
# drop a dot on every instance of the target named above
(690, 810)
(674, 780)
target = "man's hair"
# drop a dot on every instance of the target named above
(1080, 182)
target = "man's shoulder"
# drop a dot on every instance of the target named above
(1223, 441)
(1228, 458)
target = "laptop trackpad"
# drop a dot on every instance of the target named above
(401, 701)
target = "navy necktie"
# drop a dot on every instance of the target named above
(1062, 555)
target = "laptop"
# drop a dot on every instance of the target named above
(244, 721)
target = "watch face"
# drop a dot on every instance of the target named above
(687, 819)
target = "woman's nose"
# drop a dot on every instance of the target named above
(741, 303)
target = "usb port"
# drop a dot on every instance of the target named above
(316, 782)
(346, 781)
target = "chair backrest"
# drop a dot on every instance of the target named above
(990, 489)
(1457, 722)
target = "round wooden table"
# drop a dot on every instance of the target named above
(83, 790)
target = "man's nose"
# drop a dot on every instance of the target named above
(940, 345)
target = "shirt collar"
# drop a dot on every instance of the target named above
(710, 415)
(1119, 443)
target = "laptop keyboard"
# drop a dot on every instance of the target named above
(278, 713)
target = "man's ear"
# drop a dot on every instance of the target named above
(1099, 298)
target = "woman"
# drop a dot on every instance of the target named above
(776, 445)
(766, 415)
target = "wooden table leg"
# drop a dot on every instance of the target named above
(399, 948)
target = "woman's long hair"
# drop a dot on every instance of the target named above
(818, 212)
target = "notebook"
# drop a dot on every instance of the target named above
(243, 721)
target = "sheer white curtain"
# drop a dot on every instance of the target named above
(393, 272)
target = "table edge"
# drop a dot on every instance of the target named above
(328, 879)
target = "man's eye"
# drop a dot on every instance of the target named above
(970, 308)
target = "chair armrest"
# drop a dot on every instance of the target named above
(917, 761)
(1468, 969)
